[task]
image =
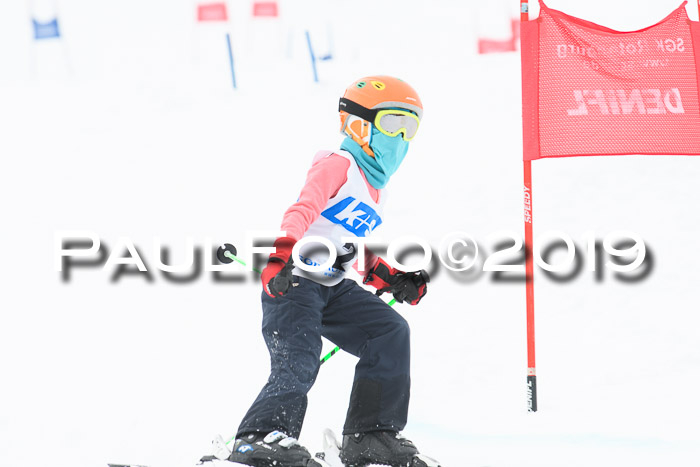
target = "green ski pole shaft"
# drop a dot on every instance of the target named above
(240, 261)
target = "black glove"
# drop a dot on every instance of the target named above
(277, 275)
(404, 286)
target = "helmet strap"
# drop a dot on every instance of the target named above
(360, 131)
(353, 108)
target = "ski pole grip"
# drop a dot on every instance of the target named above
(223, 257)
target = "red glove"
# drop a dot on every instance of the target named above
(404, 286)
(277, 275)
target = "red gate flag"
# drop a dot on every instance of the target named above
(589, 90)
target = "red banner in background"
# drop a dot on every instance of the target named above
(265, 9)
(589, 90)
(212, 12)
(487, 46)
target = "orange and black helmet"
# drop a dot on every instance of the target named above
(364, 98)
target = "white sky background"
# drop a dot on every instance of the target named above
(128, 126)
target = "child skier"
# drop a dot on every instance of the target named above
(342, 197)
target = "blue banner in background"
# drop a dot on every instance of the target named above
(46, 30)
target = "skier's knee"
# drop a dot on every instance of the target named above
(401, 328)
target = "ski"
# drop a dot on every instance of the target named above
(329, 457)
(313, 462)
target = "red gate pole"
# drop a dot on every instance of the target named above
(529, 291)
(529, 266)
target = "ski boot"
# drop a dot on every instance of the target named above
(274, 449)
(384, 448)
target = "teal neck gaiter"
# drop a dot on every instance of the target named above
(389, 152)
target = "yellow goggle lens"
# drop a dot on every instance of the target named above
(392, 122)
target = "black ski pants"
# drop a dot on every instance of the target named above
(358, 322)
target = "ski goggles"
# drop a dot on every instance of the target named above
(390, 122)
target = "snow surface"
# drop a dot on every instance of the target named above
(129, 127)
